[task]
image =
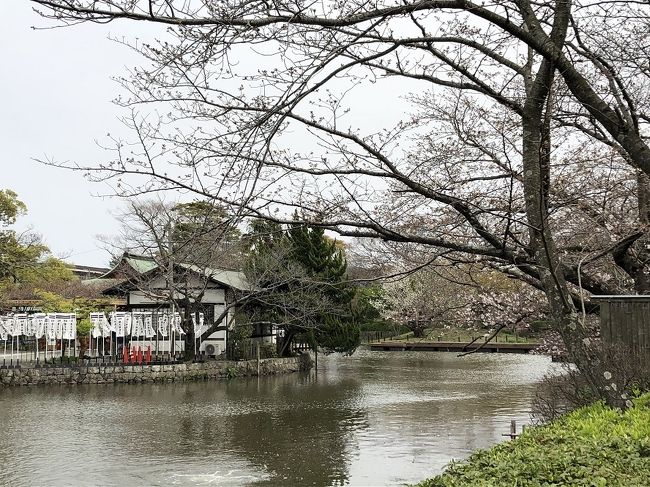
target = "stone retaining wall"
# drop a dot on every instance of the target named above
(109, 374)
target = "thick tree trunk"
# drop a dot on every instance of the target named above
(189, 354)
(638, 255)
(634, 260)
(418, 329)
(567, 321)
(535, 150)
(643, 197)
(188, 328)
(634, 256)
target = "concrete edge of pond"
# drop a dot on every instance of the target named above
(136, 373)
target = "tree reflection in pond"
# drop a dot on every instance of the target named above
(308, 441)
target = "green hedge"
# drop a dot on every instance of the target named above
(595, 445)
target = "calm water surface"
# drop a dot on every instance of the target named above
(376, 418)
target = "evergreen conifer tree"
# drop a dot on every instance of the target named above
(304, 272)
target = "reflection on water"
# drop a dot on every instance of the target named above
(377, 418)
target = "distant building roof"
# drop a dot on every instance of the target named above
(233, 279)
(140, 264)
(86, 271)
(101, 282)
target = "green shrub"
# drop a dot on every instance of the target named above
(594, 445)
(558, 394)
(268, 350)
(231, 373)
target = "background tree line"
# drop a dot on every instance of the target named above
(26, 263)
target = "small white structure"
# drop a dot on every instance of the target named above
(147, 287)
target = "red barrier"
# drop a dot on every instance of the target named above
(125, 355)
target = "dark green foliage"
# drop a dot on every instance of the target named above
(325, 264)
(204, 234)
(263, 238)
(365, 305)
(386, 326)
(302, 275)
(338, 335)
(24, 259)
(239, 337)
(201, 220)
(595, 445)
(317, 253)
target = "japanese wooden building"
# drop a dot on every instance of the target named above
(145, 287)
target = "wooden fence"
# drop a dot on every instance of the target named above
(625, 321)
(377, 336)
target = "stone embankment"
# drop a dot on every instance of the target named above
(110, 374)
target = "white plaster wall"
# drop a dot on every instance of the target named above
(142, 297)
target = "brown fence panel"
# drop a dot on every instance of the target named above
(625, 321)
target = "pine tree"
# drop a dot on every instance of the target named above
(304, 272)
(324, 262)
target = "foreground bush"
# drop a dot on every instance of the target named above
(594, 445)
(560, 393)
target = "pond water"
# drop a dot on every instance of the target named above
(376, 418)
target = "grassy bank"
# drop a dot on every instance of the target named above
(596, 446)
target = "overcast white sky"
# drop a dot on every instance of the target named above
(57, 96)
(57, 91)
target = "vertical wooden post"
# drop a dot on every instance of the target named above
(513, 430)
(257, 351)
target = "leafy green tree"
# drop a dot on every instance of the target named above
(10, 251)
(24, 259)
(336, 330)
(366, 307)
(317, 253)
(10, 207)
(279, 300)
